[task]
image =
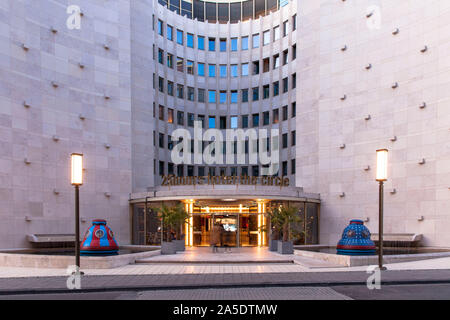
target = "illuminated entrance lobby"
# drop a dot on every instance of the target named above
(241, 210)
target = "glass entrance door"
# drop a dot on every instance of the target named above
(229, 226)
(248, 230)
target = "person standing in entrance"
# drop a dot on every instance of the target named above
(215, 238)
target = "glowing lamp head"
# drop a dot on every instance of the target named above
(76, 169)
(382, 164)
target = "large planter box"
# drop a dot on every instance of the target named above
(168, 248)
(285, 247)
(179, 245)
(273, 245)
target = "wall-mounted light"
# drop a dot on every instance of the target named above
(396, 31)
(81, 65)
(393, 138)
(344, 47)
(342, 146)
(368, 66)
(81, 116)
(25, 47)
(27, 161)
(367, 219)
(344, 97)
(107, 145)
(424, 49)
(108, 194)
(369, 14)
(106, 47)
(342, 194)
(56, 191)
(423, 105)
(28, 218)
(83, 219)
(393, 191)
(81, 14)
(106, 97)
(420, 218)
(26, 104)
(368, 117)
(54, 84)
(422, 161)
(53, 30)
(366, 168)
(394, 85)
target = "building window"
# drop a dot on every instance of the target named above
(266, 118)
(161, 84)
(160, 56)
(256, 41)
(234, 70)
(190, 67)
(276, 33)
(201, 69)
(244, 43)
(161, 168)
(266, 37)
(212, 122)
(294, 81)
(223, 70)
(170, 60)
(180, 91)
(284, 168)
(180, 118)
(161, 112)
(170, 88)
(201, 118)
(169, 32)
(255, 67)
(212, 44)
(190, 119)
(234, 44)
(180, 64)
(234, 96)
(223, 122)
(190, 171)
(285, 28)
(233, 122)
(293, 138)
(212, 70)
(266, 92)
(212, 96)
(201, 43)
(222, 97)
(276, 61)
(285, 113)
(161, 140)
(169, 143)
(294, 109)
(223, 45)
(191, 94)
(244, 95)
(255, 94)
(190, 40)
(285, 57)
(244, 171)
(180, 170)
(285, 140)
(245, 121)
(276, 116)
(255, 171)
(201, 171)
(256, 120)
(170, 115)
(294, 22)
(266, 65)
(293, 166)
(180, 37)
(285, 85)
(294, 52)
(244, 69)
(276, 88)
(170, 167)
(160, 28)
(201, 95)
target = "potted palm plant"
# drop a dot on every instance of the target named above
(180, 218)
(275, 222)
(288, 217)
(168, 219)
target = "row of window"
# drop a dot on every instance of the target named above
(277, 60)
(223, 43)
(223, 95)
(221, 171)
(231, 122)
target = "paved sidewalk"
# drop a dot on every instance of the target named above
(164, 282)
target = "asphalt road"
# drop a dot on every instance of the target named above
(356, 292)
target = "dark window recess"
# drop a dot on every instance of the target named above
(293, 166)
(285, 140)
(260, 7)
(235, 12)
(211, 12)
(199, 10)
(247, 10)
(284, 168)
(266, 117)
(223, 12)
(190, 171)
(255, 171)
(293, 138)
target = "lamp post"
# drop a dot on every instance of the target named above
(77, 181)
(382, 163)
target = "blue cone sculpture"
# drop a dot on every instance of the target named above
(356, 240)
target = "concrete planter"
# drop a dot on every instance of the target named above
(168, 248)
(285, 247)
(179, 245)
(273, 245)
